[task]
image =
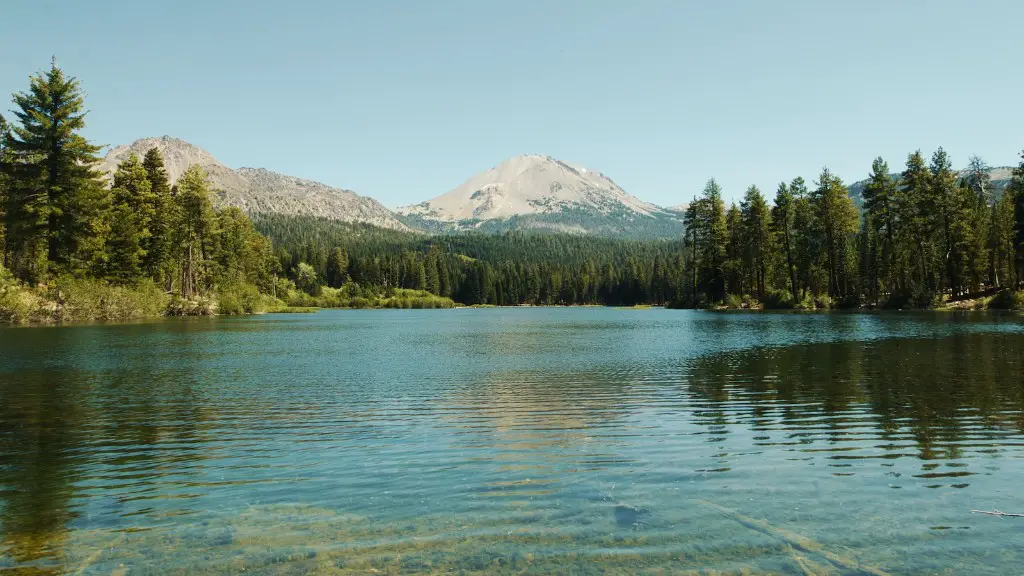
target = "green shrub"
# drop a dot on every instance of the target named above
(19, 303)
(733, 301)
(919, 297)
(778, 300)
(236, 299)
(1007, 300)
(79, 300)
(198, 306)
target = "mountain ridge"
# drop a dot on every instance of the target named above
(258, 190)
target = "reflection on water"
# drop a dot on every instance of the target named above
(514, 441)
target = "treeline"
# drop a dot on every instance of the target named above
(65, 228)
(926, 236)
(514, 268)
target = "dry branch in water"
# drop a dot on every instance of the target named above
(998, 513)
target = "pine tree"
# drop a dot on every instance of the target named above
(806, 238)
(160, 244)
(1001, 237)
(946, 209)
(57, 193)
(838, 216)
(916, 210)
(195, 230)
(337, 268)
(978, 182)
(881, 208)
(4, 137)
(691, 225)
(131, 215)
(782, 224)
(714, 239)
(757, 226)
(734, 246)
(1016, 192)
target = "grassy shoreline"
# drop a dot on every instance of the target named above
(70, 301)
(1009, 300)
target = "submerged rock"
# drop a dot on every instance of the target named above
(630, 516)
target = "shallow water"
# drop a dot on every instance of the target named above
(515, 441)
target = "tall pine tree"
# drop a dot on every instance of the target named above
(159, 246)
(55, 189)
(131, 214)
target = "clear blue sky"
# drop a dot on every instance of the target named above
(404, 100)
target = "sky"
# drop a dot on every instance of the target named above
(405, 100)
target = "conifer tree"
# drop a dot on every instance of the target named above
(916, 211)
(56, 193)
(782, 223)
(1016, 204)
(160, 242)
(4, 137)
(337, 268)
(946, 209)
(757, 225)
(195, 230)
(131, 215)
(881, 206)
(978, 182)
(714, 236)
(838, 216)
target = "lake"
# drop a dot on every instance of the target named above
(515, 441)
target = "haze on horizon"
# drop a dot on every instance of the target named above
(403, 101)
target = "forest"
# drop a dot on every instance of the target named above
(77, 245)
(929, 237)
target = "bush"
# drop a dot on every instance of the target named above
(1007, 300)
(919, 297)
(79, 300)
(19, 304)
(237, 299)
(198, 306)
(733, 301)
(778, 300)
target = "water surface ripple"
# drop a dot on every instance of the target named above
(514, 441)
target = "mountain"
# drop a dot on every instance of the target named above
(540, 192)
(257, 190)
(1000, 179)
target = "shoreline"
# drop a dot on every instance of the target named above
(314, 310)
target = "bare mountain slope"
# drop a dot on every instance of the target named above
(256, 190)
(540, 192)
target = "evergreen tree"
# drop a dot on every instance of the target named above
(734, 246)
(337, 268)
(4, 137)
(714, 238)
(1001, 239)
(691, 225)
(160, 244)
(947, 210)
(917, 210)
(131, 215)
(56, 194)
(1016, 192)
(838, 216)
(195, 230)
(807, 239)
(978, 182)
(881, 210)
(782, 223)
(757, 226)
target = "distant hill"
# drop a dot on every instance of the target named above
(1000, 180)
(536, 192)
(257, 190)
